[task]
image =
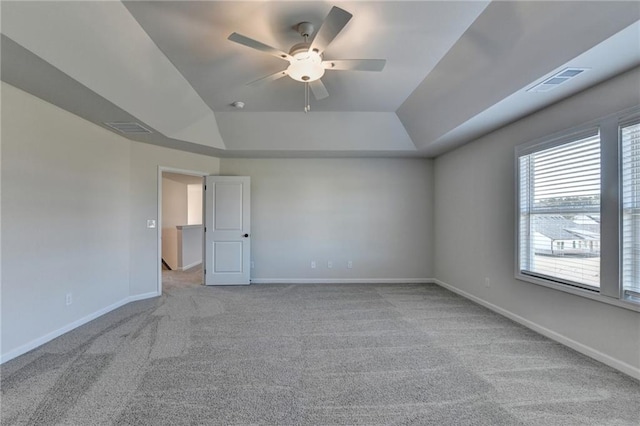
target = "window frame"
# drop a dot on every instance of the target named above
(609, 127)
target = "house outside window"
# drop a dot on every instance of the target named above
(560, 200)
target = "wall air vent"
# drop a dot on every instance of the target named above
(557, 79)
(128, 127)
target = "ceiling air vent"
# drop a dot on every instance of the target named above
(557, 79)
(128, 127)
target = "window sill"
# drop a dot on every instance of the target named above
(588, 294)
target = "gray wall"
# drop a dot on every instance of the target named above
(65, 211)
(474, 214)
(374, 212)
(75, 200)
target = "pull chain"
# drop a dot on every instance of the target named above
(307, 107)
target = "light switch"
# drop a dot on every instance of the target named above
(151, 223)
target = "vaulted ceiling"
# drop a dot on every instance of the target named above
(455, 70)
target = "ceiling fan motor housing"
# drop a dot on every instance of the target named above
(306, 65)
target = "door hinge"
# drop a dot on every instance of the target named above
(205, 187)
(205, 229)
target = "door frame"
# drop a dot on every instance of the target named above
(162, 169)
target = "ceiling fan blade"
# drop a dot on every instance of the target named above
(332, 25)
(269, 78)
(355, 64)
(254, 44)
(318, 89)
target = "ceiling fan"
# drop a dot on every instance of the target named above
(306, 62)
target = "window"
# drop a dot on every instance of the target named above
(578, 211)
(560, 200)
(630, 183)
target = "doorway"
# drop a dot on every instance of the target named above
(180, 227)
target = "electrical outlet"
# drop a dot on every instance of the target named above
(487, 282)
(69, 298)
(151, 223)
(313, 264)
(349, 264)
(329, 264)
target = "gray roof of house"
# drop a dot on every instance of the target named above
(561, 228)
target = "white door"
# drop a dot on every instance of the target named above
(227, 245)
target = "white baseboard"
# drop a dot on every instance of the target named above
(341, 280)
(193, 265)
(67, 328)
(142, 296)
(560, 338)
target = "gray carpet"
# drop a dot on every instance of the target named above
(397, 354)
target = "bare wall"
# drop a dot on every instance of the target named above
(75, 200)
(65, 211)
(474, 214)
(376, 213)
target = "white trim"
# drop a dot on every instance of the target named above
(578, 291)
(542, 144)
(73, 325)
(142, 296)
(193, 265)
(560, 338)
(341, 280)
(182, 171)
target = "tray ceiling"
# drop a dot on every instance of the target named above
(455, 70)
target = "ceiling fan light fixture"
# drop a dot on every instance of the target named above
(306, 66)
(305, 59)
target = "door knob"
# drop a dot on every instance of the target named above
(246, 235)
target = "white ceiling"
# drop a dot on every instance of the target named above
(455, 70)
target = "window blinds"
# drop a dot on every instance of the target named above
(630, 192)
(560, 212)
